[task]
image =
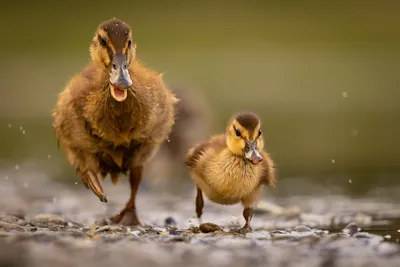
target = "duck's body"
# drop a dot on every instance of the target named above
(108, 128)
(90, 123)
(227, 177)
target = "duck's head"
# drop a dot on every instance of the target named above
(244, 136)
(112, 48)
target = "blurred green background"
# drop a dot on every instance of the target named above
(324, 76)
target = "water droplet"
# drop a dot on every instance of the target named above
(21, 128)
(25, 184)
(333, 160)
(49, 156)
(350, 181)
(76, 182)
(6, 178)
(23, 132)
(9, 125)
(344, 94)
(354, 132)
(16, 167)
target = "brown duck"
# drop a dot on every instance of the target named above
(112, 116)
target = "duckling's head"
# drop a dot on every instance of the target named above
(243, 136)
(112, 48)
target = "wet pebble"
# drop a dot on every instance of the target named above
(44, 220)
(8, 227)
(351, 229)
(109, 228)
(302, 229)
(169, 221)
(9, 218)
(209, 227)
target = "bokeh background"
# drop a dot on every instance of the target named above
(323, 76)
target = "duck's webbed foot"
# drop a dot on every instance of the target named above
(127, 217)
(91, 181)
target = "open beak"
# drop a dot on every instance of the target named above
(251, 152)
(120, 78)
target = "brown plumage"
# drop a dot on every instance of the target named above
(232, 167)
(112, 116)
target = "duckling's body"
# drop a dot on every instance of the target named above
(111, 119)
(222, 172)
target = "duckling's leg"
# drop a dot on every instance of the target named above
(199, 203)
(128, 215)
(248, 215)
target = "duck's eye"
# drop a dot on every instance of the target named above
(238, 133)
(102, 42)
(129, 44)
(259, 133)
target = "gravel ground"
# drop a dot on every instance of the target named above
(44, 223)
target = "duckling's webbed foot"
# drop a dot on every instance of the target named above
(128, 215)
(91, 181)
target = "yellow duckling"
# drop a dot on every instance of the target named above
(232, 167)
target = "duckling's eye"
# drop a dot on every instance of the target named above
(238, 133)
(259, 133)
(103, 42)
(129, 44)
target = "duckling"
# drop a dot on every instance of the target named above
(112, 117)
(232, 167)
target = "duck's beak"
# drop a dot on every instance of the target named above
(120, 78)
(251, 152)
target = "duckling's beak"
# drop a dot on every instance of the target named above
(120, 78)
(251, 152)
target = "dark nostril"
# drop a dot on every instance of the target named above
(114, 66)
(125, 66)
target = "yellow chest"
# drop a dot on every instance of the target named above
(227, 179)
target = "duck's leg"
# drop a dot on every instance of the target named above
(199, 203)
(128, 215)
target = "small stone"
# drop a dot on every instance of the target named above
(7, 227)
(169, 221)
(136, 233)
(302, 229)
(109, 228)
(344, 94)
(16, 167)
(209, 227)
(351, 228)
(44, 220)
